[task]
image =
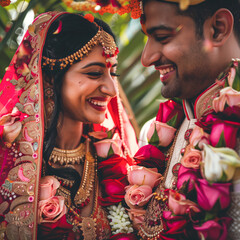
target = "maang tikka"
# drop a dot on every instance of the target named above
(102, 38)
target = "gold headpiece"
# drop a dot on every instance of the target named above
(120, 6)
(103, 38)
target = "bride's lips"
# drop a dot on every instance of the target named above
(165, 71)
(99, 103)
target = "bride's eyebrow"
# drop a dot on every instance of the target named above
(100, 64)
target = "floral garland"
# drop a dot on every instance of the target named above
(201, 195)
(111, 6)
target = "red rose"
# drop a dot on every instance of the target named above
(55, 230)
(151, 157)
(124, 236)
(169, 110)
(113, 191)
(173, 225)
(115, 167)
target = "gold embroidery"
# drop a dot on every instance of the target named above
(204, 103)
(26, 148)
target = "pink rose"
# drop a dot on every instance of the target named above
(137, 196)
(150, 156)
(52, 209)
(227, 128)
(227, 96)
(229, 132)
(198, 137)
(136, 215)
(218, 192)
(192, 159)
(107, 147)
(143, 176)
(179, 204)
(165, 133)
(48, 187)
(187, 174)
(214, 229)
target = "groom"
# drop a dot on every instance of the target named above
(195, 46)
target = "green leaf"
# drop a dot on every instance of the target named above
(221, 142)
(110, 133)
(224, 177)
(172, 121)
(213, 213)
(236, 81)
(110, 151)
(177, 100)
(154, 139)
(184, 189)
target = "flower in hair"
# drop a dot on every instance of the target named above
(89, 17)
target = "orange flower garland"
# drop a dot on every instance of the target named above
(5, 3)
(132, 6)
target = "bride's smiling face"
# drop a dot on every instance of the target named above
(87, 88)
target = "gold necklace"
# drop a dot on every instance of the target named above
(86, 224)
(64, 157)
(88, 176)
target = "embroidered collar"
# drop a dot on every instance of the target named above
(203, 103)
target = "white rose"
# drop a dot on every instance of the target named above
(219, 164)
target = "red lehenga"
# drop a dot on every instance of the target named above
(23, 105)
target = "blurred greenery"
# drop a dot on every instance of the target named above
(141, 85)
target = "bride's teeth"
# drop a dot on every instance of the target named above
(98, 103)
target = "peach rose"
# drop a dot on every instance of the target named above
(107, 147)
(136, 215)
(143, 176)
(192, 159)
(51, 210)
(165, 133)
(227, 96)
(179, 205)
(137, 196)
(198, 137)
(48, 187)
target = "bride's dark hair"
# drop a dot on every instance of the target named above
(75, 32)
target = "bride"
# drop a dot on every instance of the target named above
(59, 100)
